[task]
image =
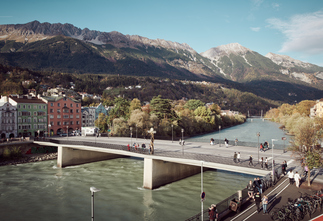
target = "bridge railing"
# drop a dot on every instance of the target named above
(243, 143)
(223, 207)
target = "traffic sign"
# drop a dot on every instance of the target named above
(203, 196)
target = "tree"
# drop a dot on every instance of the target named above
(134, 104)
(101, 122)
(193, 104)
(162, 108)
(121, 109)
(304, 145)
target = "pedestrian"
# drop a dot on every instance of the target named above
(251, 189)
(264, 204)
(257, 200)
(235, 157)
(261, 147)
(250, 160)
(266, 146)
(260, 184)
(180, 141)
(306, 170)
(297, 178)
(238, 157)
(226, 142)
(212, 141)
(128, 147)
(283, 167)
(290, 175)
(236, 142)
(213, 213)
(262, 163)
(266, 163)
(256, 183)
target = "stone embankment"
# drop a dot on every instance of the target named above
(28, 159)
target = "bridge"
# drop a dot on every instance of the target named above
(170, 161)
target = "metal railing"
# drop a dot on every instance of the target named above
(223, 206)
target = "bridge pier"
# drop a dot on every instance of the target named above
(67, 156)
(159, 172)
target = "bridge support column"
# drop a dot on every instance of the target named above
(158, 172)
(67, 156)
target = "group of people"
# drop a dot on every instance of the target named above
(254, 193)
(236, 157)
(264, 147)
(294, 177)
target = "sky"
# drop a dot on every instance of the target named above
(286, 27)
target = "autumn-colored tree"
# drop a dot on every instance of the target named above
(304, 145)
(101, 122)
(135, 104)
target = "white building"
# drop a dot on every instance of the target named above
(8, 120)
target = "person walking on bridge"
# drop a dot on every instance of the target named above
(235, 157)
(264, 204)
(258, 200)
(266, 163)
(238, 157)
(297, 178)
(250, 160)
(290, 175)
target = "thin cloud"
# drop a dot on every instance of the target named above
(275, 6)
(304, 33)
(255, 29)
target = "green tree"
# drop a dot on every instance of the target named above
(101, 122)
(162, 108)
(121, 109)
(193, 104)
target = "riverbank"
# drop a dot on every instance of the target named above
(28, 159)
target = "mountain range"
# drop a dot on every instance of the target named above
(66, 48)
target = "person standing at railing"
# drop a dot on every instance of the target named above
(238, 157)
(213, 213)
(266, 163)
(250, 188)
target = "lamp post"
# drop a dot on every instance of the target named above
(172, 133)
(136, 131)
(203, 194)
(258, 135)
(49, 125)
(67, 132)
(93, 190)
(131, 136)
(272, 155)
(219, 136)
(182, 140)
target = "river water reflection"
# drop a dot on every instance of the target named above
(41, 191)
(247, 133)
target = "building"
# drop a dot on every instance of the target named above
(317, 109)
(8, 119)
(31, 115)
(88, 116)
(64, 115)
(100, 109)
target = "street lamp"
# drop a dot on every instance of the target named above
(49, 125)
(130, 136)
(219, 136)
(136, 131)
(258, 135)
(67, 132)
(172, 133)
(182, 140)
(272, 155)
(93, 190)
(203, 194)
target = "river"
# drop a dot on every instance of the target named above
(41, 191)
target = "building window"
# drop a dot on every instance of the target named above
(51, 110)
(58, 123)
(51, 116)
(58, 116)
(77, 116)
(71, 122)
(77, 105)
(71, 116)
(35, 106)
(65, 116)
(58, 110)
(58, 104)
(52, 104)
(77, 122)
(77, 110)
(71, 105)
(28, 106)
